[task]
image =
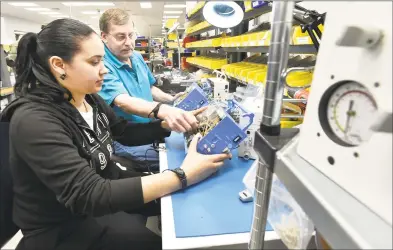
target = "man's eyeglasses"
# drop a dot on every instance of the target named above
(122, 37)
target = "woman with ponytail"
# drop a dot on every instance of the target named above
(68, 192)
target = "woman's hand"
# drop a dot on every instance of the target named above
(198, 167)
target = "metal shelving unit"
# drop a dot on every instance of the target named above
(205, 48)
(198, 32)
(294, 49)
(198, 16)
(201, 67)
(257, 12)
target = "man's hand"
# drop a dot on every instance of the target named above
(177, 96)
(179, 120)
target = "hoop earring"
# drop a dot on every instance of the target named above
(63, 76)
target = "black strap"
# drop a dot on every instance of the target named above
(155, 110)
(182, 177)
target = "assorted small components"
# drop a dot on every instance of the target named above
(220, 132)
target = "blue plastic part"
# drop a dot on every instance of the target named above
(258, 4)
(195, 99)
(232, 104)
(225, 135)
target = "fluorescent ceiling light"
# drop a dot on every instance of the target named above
(23, 4)
(173, 11)
(75, 4)
(145, 5)
(50, 13)
(38, 9)
(175, 6)
(171, 16)
(91, 12)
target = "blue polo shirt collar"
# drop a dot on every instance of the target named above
(113, 59)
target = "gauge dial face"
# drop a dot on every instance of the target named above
(351, 112)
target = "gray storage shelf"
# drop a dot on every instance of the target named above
(205, 48)
(202, 31)
(294, 49)
(342, 220)
(198, 16)
(201, 67)
(257, 12)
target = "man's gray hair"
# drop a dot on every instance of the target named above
(113, 16)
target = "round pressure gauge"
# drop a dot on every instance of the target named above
(347, 112)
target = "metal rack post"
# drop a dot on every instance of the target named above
(277, 62)
(178, 46)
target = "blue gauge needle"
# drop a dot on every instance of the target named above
(350, 113)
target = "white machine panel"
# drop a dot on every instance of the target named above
(246, 148)
(351, 89)
(221, 86)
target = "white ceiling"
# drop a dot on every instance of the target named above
(145, 19)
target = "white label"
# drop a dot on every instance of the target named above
(302, 40)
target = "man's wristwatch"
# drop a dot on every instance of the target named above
(155, 110)
(181, 175)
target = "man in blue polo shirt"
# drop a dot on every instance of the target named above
(128, 86)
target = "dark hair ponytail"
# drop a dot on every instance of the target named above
(24, 63)
(60, 38)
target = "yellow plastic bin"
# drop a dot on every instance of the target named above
(299, 79)
(299, 38)
(252, 75)
(264, 38)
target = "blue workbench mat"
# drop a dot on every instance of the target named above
(211, 207)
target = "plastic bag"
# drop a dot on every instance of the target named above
(287, 218)
(250, 177)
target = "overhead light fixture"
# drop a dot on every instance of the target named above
(171, 16)
(50, 13)
(173, 11)
(23, 4)
(223, 14)
(38, 9)
(145, 5)
(76, 4)
(90, 12)
(175, 6)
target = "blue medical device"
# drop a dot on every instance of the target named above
(193, 98)
(221, 133)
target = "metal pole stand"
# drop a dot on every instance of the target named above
(270, 138)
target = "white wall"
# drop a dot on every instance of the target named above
(14, 23)
(11, 24)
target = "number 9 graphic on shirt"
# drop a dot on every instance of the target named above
(102, 159)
